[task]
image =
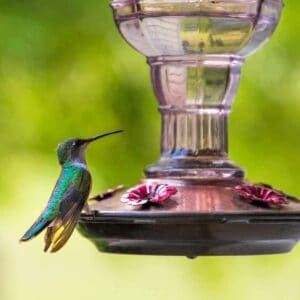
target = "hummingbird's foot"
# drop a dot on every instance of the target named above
(107, 194)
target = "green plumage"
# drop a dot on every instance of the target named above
(71, 177)
(68, 197)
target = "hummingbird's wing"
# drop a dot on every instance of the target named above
(61, 228)
(51, 210)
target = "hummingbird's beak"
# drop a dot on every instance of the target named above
(87, 141)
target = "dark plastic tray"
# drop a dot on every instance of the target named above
(191, 226)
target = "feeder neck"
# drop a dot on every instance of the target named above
(194, 132)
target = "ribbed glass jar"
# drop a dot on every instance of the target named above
(195, 50)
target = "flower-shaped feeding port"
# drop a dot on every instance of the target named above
(148, 193)
(262, 194)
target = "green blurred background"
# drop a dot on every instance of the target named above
(65, 71)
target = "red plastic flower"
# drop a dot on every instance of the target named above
(145, 193)
(261, 193)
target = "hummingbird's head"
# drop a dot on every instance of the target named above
(74, 149)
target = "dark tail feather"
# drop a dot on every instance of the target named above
(40, 224)
(48, 238)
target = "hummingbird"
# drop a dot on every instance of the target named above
(69, 196)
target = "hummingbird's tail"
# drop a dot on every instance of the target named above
(40, 224)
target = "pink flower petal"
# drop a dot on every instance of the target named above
(144, 193)
(260, 193)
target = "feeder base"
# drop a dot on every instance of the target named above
(195, 248)
(198, 220)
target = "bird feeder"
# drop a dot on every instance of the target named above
(195, 50)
